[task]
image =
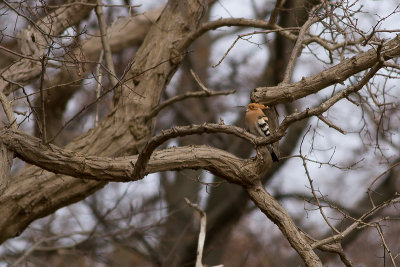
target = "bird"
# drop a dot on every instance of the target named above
(257, 123)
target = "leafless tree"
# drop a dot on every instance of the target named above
(96, 93)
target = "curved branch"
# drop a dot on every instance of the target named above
(124, 169)
(144, 156)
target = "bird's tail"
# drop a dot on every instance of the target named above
(273, 155)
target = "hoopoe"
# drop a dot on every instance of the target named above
(257, 123)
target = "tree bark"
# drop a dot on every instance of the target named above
(35, 193)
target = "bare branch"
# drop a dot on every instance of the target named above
(144, 156)
(42, 123)
(299, 43)
(202, 233)
(289, 92)
(8, 111)
(359, 221)
(106, 44)
(274, 14)
(379, 229)
(204, 93)
(316, 197)
(330, 124)
(34, 39)
(221, 163)
(242, 22)
(98, 88)
(240, 36)
(328, 103)
(278, 215)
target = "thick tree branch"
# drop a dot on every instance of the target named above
(278, 215)
(61, 161)
(120, 133)
(289, 92)
(144, 156)
(328, 103)
(274, 14)
(8, 111)
(218, 162)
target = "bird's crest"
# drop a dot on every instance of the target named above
(255, 106)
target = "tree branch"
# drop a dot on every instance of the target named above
(34, 39)
(205, 92)
(299, 44)
(278, 215)
(219, 162)
(289, 92)
(328, 103)
(106, 46)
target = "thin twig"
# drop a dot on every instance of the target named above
(330, 124)
(205, 92)
(154, 112)
(106, 48)
(299, 43)
(312, 187)
(316, 197)
(202, 233)
(199, 82)
(98, 88)
(378, 227)
(42, 101)
(357, 222)
(377, 178)
(240, 36)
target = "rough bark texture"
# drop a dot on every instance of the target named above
(6, 159)
(127, 32)
(62, 176)
(33, 41)
(35, 193)
(276, 213)
(289, 92)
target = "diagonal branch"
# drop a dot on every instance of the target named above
(289, 92)
(278, 215)
(205, 92)
(241, 22)
(299, 44)
(280, 132)
(274, 14)
(107, 48)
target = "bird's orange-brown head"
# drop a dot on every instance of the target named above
(255, 106)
